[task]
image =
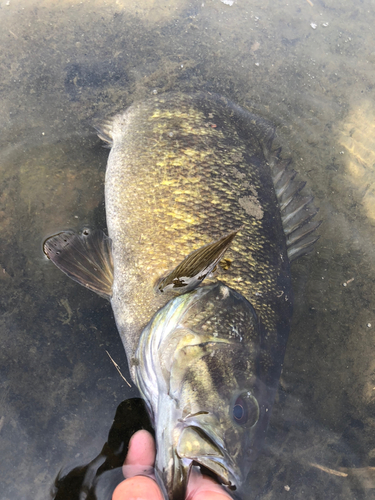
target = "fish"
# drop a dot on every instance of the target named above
(204, 218)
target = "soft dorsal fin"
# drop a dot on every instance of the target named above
(195, 267)
(85, 257)
(297, 209)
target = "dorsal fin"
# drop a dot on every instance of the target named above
(104, 130)
(297, 208)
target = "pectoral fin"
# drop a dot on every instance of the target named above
(195, 267)
(85, 257)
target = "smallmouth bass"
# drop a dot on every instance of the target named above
(203, 218)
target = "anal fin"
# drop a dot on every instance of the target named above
(85, 257)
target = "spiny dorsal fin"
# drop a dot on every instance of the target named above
(104, 130)
(297, 209)
(195, 267)
(85, 257)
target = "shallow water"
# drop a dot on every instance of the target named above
(307, 66)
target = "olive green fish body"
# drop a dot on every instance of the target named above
(183, 171)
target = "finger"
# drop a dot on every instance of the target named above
(141, 450)
(141, 455)
(139, 460)
(137, 488)
(204, 488)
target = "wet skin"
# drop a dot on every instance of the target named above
(140, 460)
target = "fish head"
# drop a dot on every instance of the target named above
(197, 370)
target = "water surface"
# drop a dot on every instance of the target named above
(308, 67)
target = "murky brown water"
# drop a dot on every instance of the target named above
(307, 66)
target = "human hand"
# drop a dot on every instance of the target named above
(140, 460)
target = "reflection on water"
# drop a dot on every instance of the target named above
(358, 141)
(65, 65)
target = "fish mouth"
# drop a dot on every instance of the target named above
(202, 448)
(211, 468)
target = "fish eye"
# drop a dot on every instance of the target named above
(246, 410)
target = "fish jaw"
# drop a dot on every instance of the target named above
(171, 472)
(204, 447)
(191, 443)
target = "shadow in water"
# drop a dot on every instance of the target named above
(98, 479)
